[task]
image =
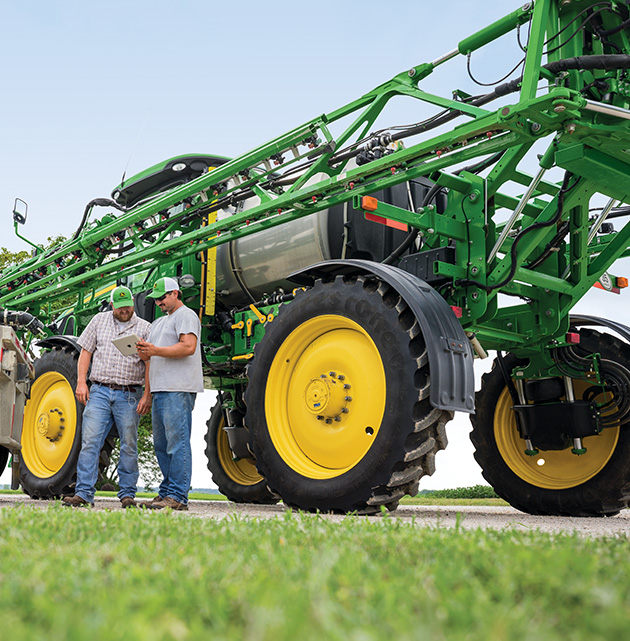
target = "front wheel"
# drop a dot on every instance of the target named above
(4, 457)
(338, 399)
(51, 434)
(555, 482)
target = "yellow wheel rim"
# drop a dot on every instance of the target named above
(50, 423)
(325, 396)
(554, 469)
(241, 471)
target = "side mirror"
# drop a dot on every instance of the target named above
(20, 209)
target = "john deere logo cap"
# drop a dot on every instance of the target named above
(163, 286)
(122, 297)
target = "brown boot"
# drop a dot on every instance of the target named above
(169, 502)
(128, 501)
(152, 502)
(76, 501)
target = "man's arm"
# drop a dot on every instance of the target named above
(144, 404)
(82, 393)
(184, 347)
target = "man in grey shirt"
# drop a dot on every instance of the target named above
(175, 377)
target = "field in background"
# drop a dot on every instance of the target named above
(476, 495)
(138, 575)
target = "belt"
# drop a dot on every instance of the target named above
(120, 388)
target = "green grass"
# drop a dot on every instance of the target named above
(74, 575)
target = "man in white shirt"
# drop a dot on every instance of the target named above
(176, 377)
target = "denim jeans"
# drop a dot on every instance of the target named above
(105, 408)
(172, 424)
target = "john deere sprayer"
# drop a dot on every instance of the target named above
(348, 272)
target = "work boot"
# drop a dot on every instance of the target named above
(169, 502)
(128, 501)
(152, 502)
(76, 501)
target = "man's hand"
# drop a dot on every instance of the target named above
(82, 392)
(146, 350)
(144, 404)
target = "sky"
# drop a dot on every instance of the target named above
(95, 89)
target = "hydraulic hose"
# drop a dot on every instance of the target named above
(21, 320)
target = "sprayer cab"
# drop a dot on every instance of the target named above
(163, 176)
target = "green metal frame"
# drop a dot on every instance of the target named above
(307, 170)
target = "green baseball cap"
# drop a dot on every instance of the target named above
(121, 297)
(163, 286)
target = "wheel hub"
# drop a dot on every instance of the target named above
(51, 424)
(327, 397)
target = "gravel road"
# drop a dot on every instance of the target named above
(469, 517)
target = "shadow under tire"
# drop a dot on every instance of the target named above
(338, 399)
(237, 480)
(594, 484)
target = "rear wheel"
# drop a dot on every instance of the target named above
(338, 399)
(237, 479)
(553, 481)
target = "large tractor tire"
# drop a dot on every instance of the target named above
(237, 479)
(555, 482)
(51, 434)
(4, 458)
(338, 400)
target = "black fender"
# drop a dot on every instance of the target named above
(449, 351)
(60, 341)
(577, 320)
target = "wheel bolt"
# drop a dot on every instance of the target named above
(341, 377)
(344, 410)
(332, 374)
(348, 398)
(338, 419)
(320, 418)
(328, 421)
(346, 386)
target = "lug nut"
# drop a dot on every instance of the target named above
(348, 398)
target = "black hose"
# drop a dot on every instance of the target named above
(413, 234)
(97, 202)
(21, 320)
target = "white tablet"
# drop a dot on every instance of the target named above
(127, 344)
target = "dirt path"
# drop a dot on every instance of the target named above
(468, 517)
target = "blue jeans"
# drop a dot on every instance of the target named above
(105, 408)
(172, 424)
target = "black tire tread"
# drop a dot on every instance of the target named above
(426, 435)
